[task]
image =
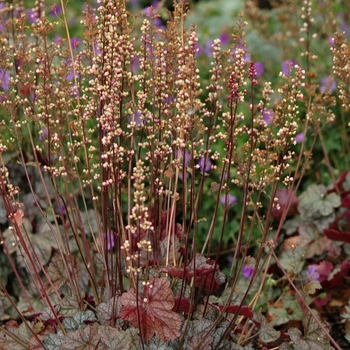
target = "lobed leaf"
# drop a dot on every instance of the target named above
(106, 311)
(117, 339)
(315, 200)
(153, 313)
(311, 287)
(54, 341)
(19, 334)
(78, 320)
(195, 332)
(58, 272)
(87, 338)
(267, 333)
(314, 337)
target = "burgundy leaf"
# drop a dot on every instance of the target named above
(345, 202)
(202, 265)
(347, 217)
(207, 274)
(285, 199)
(90, 300)
(322, 301)
(341, 180)
(153, 312)
(338, 278)
(245, 311)
(181, 304)
(324, 268)
(178, 272)
(336, 235)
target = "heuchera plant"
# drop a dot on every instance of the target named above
(111, 148)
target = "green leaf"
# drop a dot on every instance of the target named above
(87, 338)
(292, 225)
(315, 201)
(158, 344)
(195, 331)
(267, 333)
(69, 305)
(297, 257)
(117, 339)
(106, 311)
(54, 341)
(78, 320)
(5, 269)
(225, 296)
(47, 314)
(311, 287)
(314, 337)
(286, 346)
(58, 273)
(5, 304)
(312, 241)
(20, 335)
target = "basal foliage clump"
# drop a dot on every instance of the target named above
(109, 151)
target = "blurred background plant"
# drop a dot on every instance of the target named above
(148, 170)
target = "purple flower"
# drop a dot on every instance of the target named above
(205, 167)
(2, 19)
(259, 67)
(43, 134)
(328, 85)
(247, 271)
(137, 119)
(2, 25)
(287, 66)
(97, 49)
(70, 76)
(4, 79)
(186, 158)
(231, 200)
(199, 50)
(109, 237)
(58, 39)
(74, 91)
(312, 274)
(55, 10)
(267, 115)
(75, 42)
(110, 241)
(62, 209)
(31, 16)
(331, 41)
(225, 38)
(343, 25)
(208, 49)
(158, 23)
(299, 137)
